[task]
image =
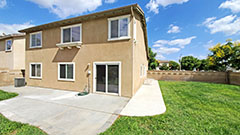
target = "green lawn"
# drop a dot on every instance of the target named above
(192, 108)
(8, 127)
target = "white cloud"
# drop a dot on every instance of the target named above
(173, 29)
(160, 57)
(65, 8)
(198, 56)
(176, 42)
(153, 5)
(233, 5)
(147, 19)
(110, 1)
(164, 50)
(3, 3)
(229, 25)
(161, 47)
(13, 28)
(209, 44)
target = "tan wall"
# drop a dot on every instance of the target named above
(6, 61)
(7, 76)
(139, 56)
(216, 77)
(14, 59)
(19, 53)
(95, 48)
(234, 78)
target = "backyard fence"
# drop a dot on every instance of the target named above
(7, 76)
(213, 77)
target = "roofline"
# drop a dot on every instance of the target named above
(109, 12)
(11, 36)
(83, 17)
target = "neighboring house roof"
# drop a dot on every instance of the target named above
(163, 61)
(11, 36)
(106, 13)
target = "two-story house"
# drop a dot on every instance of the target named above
(12, 52)
(104, 52)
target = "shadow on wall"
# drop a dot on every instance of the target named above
(66, 55)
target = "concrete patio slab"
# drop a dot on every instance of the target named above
(62, 112)
(148, 101)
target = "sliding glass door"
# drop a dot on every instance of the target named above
(107, 78)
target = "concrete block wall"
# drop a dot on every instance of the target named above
(212, 77)
(234, 78)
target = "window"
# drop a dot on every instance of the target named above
(66, 71)
(35, 70)
(145, 71)
(71, 34)
(118, 27)
(8, 45)
(36, 40)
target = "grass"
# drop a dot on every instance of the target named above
(8, 127)
(6, 95)
(192, 108)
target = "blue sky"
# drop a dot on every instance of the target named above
(187, 27)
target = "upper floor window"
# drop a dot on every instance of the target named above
(119, 27)
(8, 45)
(36, 40)
(71, 34)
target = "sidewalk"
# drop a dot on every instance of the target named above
(148, 101)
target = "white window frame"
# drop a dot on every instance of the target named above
(109, 28)
(6, 45)
(30, 71)
(70, 26)
(31, 39)
(62, 79)
(145, 71)
(141, 70)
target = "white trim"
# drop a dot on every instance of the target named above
(134, 29)
(119, 74)
(30, 70)
(61, 79)
(118, 18)
(120, 38)
(6, 45)
(31, 39)
(70, 26)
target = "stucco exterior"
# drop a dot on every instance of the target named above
(95, 47)
(14, 59)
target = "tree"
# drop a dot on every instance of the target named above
(190, 63)
(152, 62)
(164, 67)
(174, 65)
(204, 65)
(225, 55)
(236, 56)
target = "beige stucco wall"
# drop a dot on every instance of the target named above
(139, 56)
(14, 59)
(6, 61)
(19, 53)
(95, 48)
(7, 76)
